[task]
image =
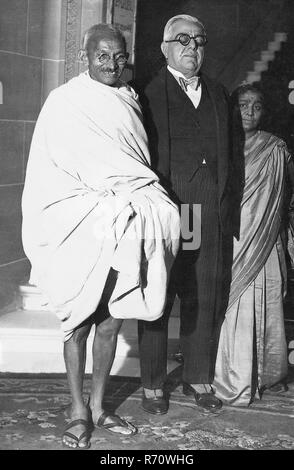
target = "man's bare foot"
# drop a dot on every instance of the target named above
(78, 430)
(114, 424)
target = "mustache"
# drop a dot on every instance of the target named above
(108, 70)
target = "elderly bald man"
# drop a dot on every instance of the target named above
(99, 230)
(188, 125)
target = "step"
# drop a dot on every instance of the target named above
(281, 36)
(267, 56)
(274, 46)
(32, 298)
(253, 77)
(31, 342)
(260, 66)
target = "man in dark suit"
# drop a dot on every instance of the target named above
(187, 121)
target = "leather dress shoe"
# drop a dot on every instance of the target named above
(207, 401)
(155, 405)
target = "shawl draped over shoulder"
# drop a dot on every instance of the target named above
(91, 203)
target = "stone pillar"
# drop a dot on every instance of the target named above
(53, 44)
(64, 24)
(81, 14)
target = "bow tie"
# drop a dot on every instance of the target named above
(193, 82)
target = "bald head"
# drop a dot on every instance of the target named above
(99, 32)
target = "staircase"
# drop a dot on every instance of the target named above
(253, 54)
(277, 83)
(266, 57)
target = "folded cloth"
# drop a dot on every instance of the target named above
(91, 203)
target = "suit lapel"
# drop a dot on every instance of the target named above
(221, 126)
(156, 93)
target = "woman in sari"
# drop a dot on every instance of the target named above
(252, 351)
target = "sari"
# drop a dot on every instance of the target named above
(252, 350)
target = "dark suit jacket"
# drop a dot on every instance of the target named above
(154, 100)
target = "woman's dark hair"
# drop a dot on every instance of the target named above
(244, 88)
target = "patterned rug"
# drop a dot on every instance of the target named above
(32, 416)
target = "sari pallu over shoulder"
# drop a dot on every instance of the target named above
(262, 204)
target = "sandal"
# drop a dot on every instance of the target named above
(78, 439)
(116, 422)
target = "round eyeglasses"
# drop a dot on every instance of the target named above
(105, 58)
(185, 39)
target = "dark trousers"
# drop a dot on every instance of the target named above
(200, 278)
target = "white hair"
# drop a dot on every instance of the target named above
(167, 32)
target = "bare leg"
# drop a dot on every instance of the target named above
(75, 360)
(104, 346)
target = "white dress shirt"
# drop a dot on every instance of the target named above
(194, 95)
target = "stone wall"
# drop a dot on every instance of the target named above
(39, 41)
(32, 55)
(21, 76)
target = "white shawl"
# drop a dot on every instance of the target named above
(91, 202)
